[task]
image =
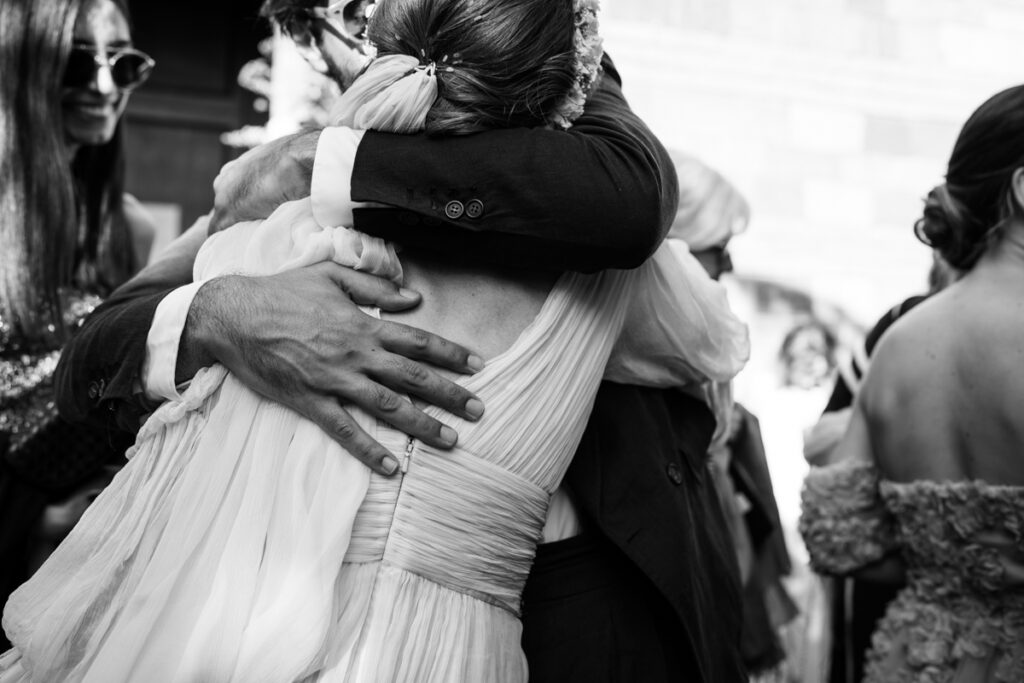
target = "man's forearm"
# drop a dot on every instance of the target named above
(206, 323)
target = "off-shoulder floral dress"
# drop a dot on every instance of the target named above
(960, 618)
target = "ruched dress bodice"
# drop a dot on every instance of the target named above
(960, 618)
(452, 539)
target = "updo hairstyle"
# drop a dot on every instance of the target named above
(500, 63)
(967, 214)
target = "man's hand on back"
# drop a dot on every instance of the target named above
(299, 338)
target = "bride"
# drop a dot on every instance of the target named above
(242, 544)
(930, 478)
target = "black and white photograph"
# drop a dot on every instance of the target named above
(511, 341)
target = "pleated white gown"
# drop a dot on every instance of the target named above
(242, 544)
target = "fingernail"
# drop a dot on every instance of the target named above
(474, 407)
(449, 435)
(475, 363)
(389, 465)
(408, 293)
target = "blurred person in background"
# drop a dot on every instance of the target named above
(711, 212)
(808, 355)
(68, 236)
(926, 486)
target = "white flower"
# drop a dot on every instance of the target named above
(587, 67)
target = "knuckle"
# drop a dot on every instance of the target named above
(419, 340)
(350, 359)
(416, 374)
(343, 429)
(363, 326)
(455, 393)
(387, 401)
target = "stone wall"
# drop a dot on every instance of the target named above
(834, 117)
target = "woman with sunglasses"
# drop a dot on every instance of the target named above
(68, 236)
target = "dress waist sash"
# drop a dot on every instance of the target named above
(458, 521)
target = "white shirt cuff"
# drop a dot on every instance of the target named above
(158, 368)
(331, 186)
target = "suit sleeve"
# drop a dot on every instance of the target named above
(600, 195)
(99, 372)
(99, 376)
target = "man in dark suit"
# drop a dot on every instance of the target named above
(648, 591)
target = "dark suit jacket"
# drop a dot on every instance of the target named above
(640, 474)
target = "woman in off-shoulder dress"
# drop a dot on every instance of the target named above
(928, 482)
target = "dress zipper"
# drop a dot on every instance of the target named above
(409, 446)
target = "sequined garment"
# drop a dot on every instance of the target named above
(960, 618)
(27, 409)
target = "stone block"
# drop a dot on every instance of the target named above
(824, 128)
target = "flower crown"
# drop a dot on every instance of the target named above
(587, 68)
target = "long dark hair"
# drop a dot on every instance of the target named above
(58, 226)
(966, 214)
(509, 62)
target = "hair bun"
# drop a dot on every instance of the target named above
(946, 225)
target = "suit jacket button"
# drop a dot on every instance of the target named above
(454, 209)
(675, 473)
(474, 208)
(94, 390)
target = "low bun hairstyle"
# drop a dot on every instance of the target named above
(950, 228)
(500, 63)
(966, 214)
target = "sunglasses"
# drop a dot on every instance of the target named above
(129, 68)
(352, 16)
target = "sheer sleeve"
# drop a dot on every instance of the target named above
(679, 330)
(844, 522)
(291, 238)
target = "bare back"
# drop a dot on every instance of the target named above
(945, 393)
(484, 308)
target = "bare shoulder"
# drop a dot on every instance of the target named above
(956, 353)
(916, 355)
(916, 336)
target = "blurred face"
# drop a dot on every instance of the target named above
(716, 260)
(809, 358)
(93, 102)
(337, 33)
